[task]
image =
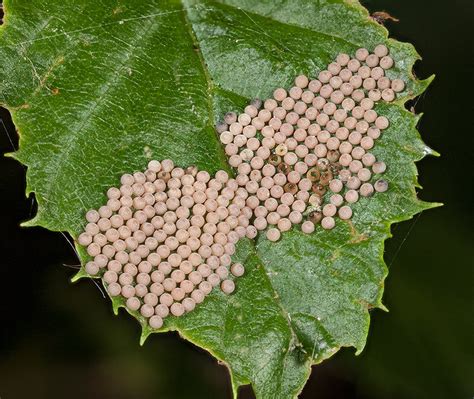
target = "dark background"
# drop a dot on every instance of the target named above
(60, 340)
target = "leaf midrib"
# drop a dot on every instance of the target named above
(294, 338)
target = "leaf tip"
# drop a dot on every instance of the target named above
(359, 351)
(431, 152)
(30, 223)
(381, 306)
(80, 274)
(116, 305)
(429, 79)
(144, 335)
(11, 155)
(435, 205)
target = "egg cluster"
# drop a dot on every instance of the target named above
(166, 236)
(290, 150)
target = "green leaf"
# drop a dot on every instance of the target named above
(97, 88)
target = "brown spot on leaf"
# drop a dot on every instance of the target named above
(366, 304)
(356, 236)
(22, 106)
(43, 80)
(382, 16)
(55, 91)
(336, 254)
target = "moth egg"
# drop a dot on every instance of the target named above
(92, 216)
(328, 223)
(279, 94)
(386, 62)
(273, 234)
(198, 296)
(301, 81)
(342, 59)
(361, 54)
(155, 322)
(237, 269)
(177, 309)
(398, 85)
(381, 50)
(345, 212)
(133, 303)
(114, 289)
(84, 239)
(379, 167)
(189, 304)
(91, 268)
(162, 310)
(307, 227)
(381, 186)
(228, 287)
(366, 190)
